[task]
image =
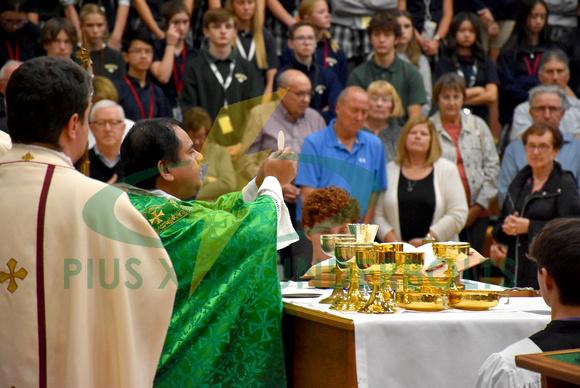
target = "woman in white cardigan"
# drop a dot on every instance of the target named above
(425, 196)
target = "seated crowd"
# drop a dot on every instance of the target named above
(447, 127)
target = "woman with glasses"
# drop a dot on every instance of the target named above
(18, 36)
(540, 192)
(384, 107)
(467, 141)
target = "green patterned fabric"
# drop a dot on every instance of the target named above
(226, 325)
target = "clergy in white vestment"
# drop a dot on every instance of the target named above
(86, 288)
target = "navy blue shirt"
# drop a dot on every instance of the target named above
(325, 87)
(131, 105)
(324, 57)
(23, 43)
(170, 88)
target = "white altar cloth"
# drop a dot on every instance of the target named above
(431, 349)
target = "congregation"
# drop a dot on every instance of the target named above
(443, 119)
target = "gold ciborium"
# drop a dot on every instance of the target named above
(451, 252)
(327, 243)
(345, 253)
(378, 260)
(409, 264)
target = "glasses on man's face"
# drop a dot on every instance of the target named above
(301, 95)
(303, 39)
(542, 109)
(542, 148)
(103, 123)
(141, 51)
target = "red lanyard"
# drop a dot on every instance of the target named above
(179, 82)
(139, 101)
(11, 53)
(325, 52)
(102, 61)
(536, 63)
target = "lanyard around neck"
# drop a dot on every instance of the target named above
(15, 56)
(178, 78)
(225, 85)
(139, 100)
(242, 51)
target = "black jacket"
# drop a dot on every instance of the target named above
(557, 199)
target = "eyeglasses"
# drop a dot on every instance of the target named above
(103, 123)
(303, 39)
(455, 98)
(543, 148)
(301, 95)
(542, 109)
(141, 51)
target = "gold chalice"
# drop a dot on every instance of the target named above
(327, 243)
(451, 252)
(409, 264)
(378, 260)
(365, 233)
(345, 253)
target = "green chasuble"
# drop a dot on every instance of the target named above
(226, 324)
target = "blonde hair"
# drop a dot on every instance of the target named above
(261, 58)
(104, 89)
(93, 9)
(305, 11)
(413, 47)
(434, 146)
(385, 87)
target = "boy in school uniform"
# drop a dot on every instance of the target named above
(219, 77)
(139, 97)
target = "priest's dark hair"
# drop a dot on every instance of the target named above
(42, 95)
(147, 143)
(557, 249)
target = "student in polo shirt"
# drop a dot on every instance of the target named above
(384, 32)
(139, 97)
(219, 76)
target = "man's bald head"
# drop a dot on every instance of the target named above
(297, 99)
(6, 72)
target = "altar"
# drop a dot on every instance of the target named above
(326, 348)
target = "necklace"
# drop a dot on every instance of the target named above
(411, 186)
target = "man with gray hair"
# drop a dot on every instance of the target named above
(547, 103)
(108, 126)
(554, 74)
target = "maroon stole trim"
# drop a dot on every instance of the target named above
(40, 303)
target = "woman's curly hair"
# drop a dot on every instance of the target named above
(330, 203)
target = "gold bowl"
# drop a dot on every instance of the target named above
(422, 301)
(473, 299)
(451, 251)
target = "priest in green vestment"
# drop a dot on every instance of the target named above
(226, 324)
